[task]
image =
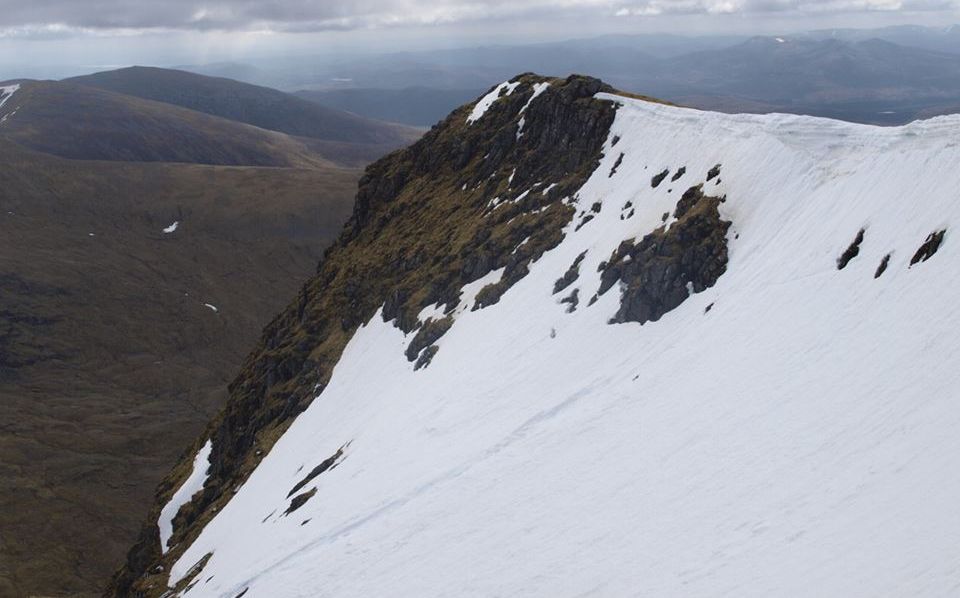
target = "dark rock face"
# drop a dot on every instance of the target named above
(326, 465)
(929, 247)
(424, 224)
(572, 300)
(666, 266)
(713, 172)
(584, 221)
(616, 165)
(680, 172)
(570, 276)
(882, 267)
(689, 199)
(426, 357)
(429, 333)
(850, 252)
(300, 500)
(658, 178)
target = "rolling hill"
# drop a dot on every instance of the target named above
(85, 123)
(251, 104)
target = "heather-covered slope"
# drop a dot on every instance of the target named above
(129, 295)
(576, 343)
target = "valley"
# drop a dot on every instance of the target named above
(142, 248)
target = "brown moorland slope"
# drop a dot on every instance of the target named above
(242, 102)
(78, 122)
(117, 339)
(333, 133)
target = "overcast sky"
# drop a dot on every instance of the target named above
(38, 34)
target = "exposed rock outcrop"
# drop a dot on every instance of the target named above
(658, 273)
(929, 247)
(850, 252)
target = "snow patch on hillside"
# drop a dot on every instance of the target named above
(192, 485)
(538, 88)
(484, 103)
(790, 431)
(6, 92)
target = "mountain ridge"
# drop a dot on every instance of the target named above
(570, 325)
(267, 396)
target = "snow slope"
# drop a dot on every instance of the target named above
(800, 438)
(190, 486)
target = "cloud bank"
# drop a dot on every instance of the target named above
(57, 18)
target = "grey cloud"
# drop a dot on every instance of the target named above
(55, 17)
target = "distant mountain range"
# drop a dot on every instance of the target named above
(873, 81)
(417, 106)
(881, 76)
(937, 39)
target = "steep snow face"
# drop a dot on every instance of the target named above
(190, 486)
(790, 431)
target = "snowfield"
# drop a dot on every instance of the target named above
(800, 438)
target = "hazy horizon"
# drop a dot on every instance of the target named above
(52, 39)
